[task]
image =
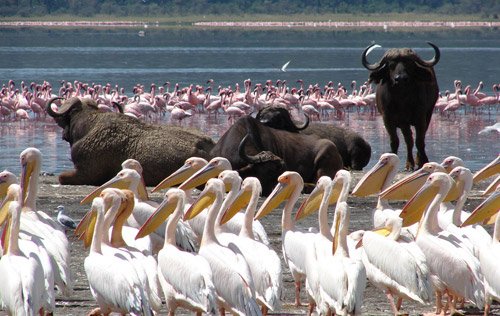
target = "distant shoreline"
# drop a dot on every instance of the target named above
(266, 24)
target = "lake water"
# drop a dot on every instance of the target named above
(192, 56)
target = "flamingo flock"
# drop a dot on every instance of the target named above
(319, 102)
(143, 253)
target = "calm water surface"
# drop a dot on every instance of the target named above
(121, 57)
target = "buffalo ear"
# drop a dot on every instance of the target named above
(424, 74)
(380, 74)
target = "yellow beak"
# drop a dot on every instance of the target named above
(240, 202)
(116, 182)
(492, 186)
(311, 204)
(281, 192)
(485, 210)
(414, 209)
(405, 188)
(372, 181)
(161, 214)
(179, 176)
(489, 170)
(204, 200)
(201, 177)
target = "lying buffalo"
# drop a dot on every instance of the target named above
(264, 152)
(355, 151)
(100, 142)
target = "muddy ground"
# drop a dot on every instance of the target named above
(51, 194)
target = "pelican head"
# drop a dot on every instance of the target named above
(213, 189)
(324, 186)
(378, 177)
(6, 179)
(31, 159)
(250, 185)
(450, 162)
(211, 170)
(190, 166)
(124, 179)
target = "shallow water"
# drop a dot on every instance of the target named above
(191, 56)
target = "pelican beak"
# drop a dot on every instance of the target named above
(281, 192)
(85, 229)
(487, 209)
(82, 226)
(4, 210)
(454, 193)
(204, 200)
(490, 170)
(116, 182)
(414, 209)
(405, 188)
(209, 171)
(179, 176)
(240, 202)
(383, 231)
(311, 204)
(335, 234)
(492, 186)
(4, 239)
(373, 180)
(163, 211)
(26, 171)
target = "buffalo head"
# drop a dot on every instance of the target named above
(401, 66)
(280, 118)
(265, 166)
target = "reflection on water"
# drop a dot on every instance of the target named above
(456, 135)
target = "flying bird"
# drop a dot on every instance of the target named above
(283, 68)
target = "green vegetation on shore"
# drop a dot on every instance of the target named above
(187, 11)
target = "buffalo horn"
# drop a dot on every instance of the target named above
(434, 60)
(243, 154)
(365, 63)
(64, 108)
(303, 126)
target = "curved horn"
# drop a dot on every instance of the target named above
(303, 126)
(434, 60)
(243, 154)
(365, 63)
(63, 109)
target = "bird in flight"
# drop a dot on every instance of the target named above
(283, 68)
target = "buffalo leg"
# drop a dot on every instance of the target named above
(420, 144)
(407, 134)
(393, 137)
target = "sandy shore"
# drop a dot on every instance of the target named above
(52, 194)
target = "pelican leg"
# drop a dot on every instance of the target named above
(439, 303)
(486, 309)
(264, 310)
(390, 298)
(297, 293)
(198, 313)
(222, 312)
(398, 304)
(312, 305)
(95, 312)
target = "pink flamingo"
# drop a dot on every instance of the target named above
(179, 114)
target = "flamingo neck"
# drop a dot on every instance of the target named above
(209, 228)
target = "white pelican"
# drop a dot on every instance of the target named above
(489, 170)
(6, 179)
(22, 289)
(113, 244)
(113, 280)
(231, 275)
(377, 180)
(142, 192)
(342, 279)
(130, 179)
(489, 254)
(186, 278)
(264, 263)
(37, 223)
(213, 169)
(294, 242)
(406, 274)
(451, 162)
(453, 270)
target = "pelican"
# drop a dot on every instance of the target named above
(406, 274)
(6, 179)
(377, 180)
(212, 169)
(489, 254)
(451, 162)
(41, 225)
(232, 278)
(113, 244)
(453, 269)
(489, 170)
(342, 279)
(131, 179)
(113, 280)
(142, 192)
(186, 278)
(22, 289)
(264, 263)
(294, 242)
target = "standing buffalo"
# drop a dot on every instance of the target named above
(406, 93)
(100, 142)
(264, 152)
(353, 149)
